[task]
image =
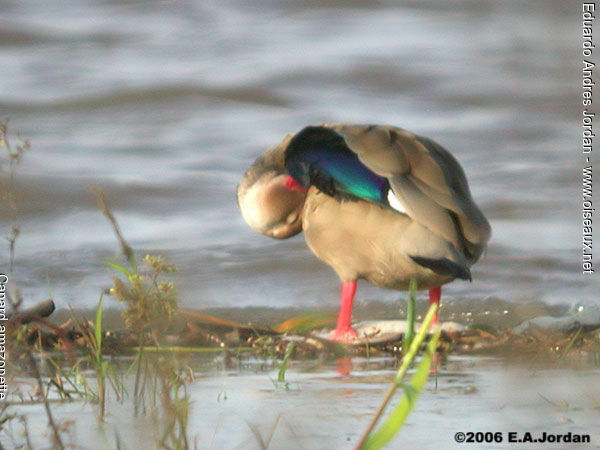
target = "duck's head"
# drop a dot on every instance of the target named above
(272, 204)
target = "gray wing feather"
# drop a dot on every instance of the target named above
(426, 179)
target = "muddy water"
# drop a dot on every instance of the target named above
(323, 409)
(164, 105)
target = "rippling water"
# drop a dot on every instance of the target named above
(164, 105)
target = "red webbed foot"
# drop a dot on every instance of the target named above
(344, 335)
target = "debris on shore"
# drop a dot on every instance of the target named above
(572, 337)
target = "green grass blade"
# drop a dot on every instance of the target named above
(416, 344)
(395, 420)
(104, 368)
(410, 316)
(119, 268)
(407, 361)
(115, 381)
(284, 363)
(98, 329)
(570, 344)
(133, 262)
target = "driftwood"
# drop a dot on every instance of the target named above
(220, 324)
(32, 314)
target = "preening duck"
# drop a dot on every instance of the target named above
(374, 202)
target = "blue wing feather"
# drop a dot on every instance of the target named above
(319, 156)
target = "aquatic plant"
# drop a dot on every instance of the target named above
(375, 439)
(284, 363)
(104, 370)
(13, 296)
(410, 316)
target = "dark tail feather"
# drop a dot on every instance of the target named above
(444, 267)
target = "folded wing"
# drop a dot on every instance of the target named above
(367, 162)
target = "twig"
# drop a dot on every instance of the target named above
(42, 309)
(36, 373)
(125, 247)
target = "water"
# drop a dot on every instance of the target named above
(322, 409)
(165, 104)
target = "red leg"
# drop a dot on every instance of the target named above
(343, 330)
(434, 297)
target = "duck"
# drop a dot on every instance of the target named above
(374, 202)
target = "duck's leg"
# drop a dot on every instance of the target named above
(434, 297)
(343, 330)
